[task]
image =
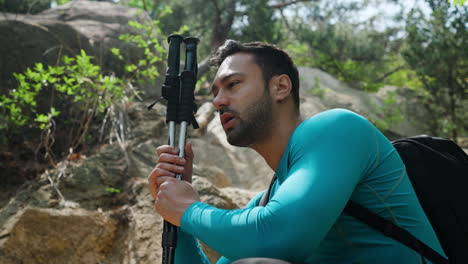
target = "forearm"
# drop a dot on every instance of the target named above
(188, 250)
(246, 232)
(217, 235)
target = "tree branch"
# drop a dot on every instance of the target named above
(283, 5)
(386, 75)
(204, 66)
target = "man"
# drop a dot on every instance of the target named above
(320, 163)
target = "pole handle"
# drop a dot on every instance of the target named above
(171, 88)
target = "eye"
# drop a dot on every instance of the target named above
(233, 83)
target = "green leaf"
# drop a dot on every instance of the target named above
(54, 112)
(142, 62)
(112, 190)
(167, 10)
(458, 2)
(41, 118)
(67, 60)
(130, 68)
(135, 24)
(39, 67)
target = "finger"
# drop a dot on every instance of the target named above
(156, 173)
(174, 169)
(161, 170)
(166, 149)
(161, 181)
(188, 151)
(170, 158)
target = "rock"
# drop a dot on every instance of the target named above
(132, 232)
(320, 91)
(91, 183)
(59, 236)
(204, 115)
(143, 240)
(246, 167)
(211, 195)
(45, 37)
(64, 30)
(227, 198)
(214, 174)
(240, 197)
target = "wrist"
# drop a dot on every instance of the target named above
(185, 219)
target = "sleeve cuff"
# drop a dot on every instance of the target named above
(186, 220)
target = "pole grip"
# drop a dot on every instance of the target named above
(191, 54)
(171, 88)
(188, 80)
(173, 59)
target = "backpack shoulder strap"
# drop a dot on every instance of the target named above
(380, 224)
(266, 195)
(391, 230)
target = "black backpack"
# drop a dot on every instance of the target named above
(438, 171)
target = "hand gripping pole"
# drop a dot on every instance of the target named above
(178, 91)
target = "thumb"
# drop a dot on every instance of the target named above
(189, 152)
(189, 165)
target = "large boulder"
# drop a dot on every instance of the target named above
(64, 30)
(59, 236)
(320, 91)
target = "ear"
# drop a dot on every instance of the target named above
(281, 87)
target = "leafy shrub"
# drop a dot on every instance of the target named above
(75, 91)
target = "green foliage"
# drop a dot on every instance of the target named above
(436, 51)
(299, 52)
(112, 190)
(259, 23)
(61, 2)
(24, 6)
(45, 121)
(404, 76)
(77, 78)
(389, 113)
(458, 2)
(359, 57)
(148, 41)
(214, 21)
(317, 90)
(64, 101)
(76, 88)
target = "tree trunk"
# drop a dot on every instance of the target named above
(452, 104)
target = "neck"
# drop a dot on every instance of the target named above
(273, 147)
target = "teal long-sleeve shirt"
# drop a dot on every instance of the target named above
(331, 157)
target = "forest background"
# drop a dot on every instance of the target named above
(54, 111)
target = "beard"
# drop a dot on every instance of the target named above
(256, 124)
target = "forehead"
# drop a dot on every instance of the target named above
(241, 62)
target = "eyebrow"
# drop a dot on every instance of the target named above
(224, 78)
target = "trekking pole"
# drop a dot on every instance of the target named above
(188, 80)
(170, 91)
(178, 91)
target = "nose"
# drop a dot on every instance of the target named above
(221, 100)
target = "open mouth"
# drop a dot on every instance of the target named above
(227, 120)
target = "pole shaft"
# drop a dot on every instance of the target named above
(182, 137)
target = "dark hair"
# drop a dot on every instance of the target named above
(272, 60)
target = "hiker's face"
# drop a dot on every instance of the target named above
(243, 100)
